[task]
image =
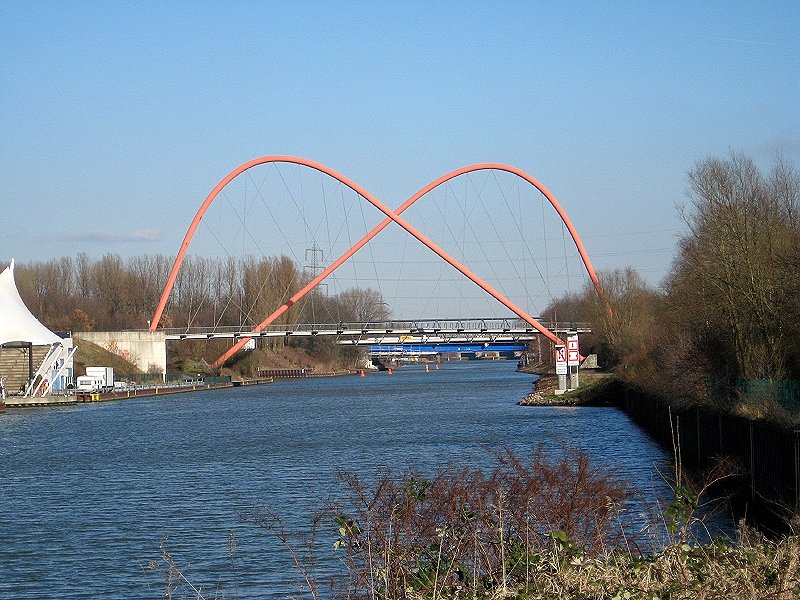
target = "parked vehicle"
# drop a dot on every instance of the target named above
(86, 383)
(105, 375)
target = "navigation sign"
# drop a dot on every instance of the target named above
(561, 360)
(573, 354)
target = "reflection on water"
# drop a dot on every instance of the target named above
(90, 493)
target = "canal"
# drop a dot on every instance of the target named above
(90, 495)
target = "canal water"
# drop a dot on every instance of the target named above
(92, 495)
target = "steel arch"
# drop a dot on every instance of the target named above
(545, 192)
(391, 216)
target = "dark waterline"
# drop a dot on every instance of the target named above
(89, 494)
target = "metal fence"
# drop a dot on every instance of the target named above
(769, 455)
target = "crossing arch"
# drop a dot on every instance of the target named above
(390, 217)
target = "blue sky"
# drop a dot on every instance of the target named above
(118, 118)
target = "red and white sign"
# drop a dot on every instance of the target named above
(561, 360)
(573, 354)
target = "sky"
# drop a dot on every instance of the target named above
(118, 118)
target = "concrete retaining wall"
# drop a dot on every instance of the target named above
(146, 349)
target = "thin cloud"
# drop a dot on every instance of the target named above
(145, 236)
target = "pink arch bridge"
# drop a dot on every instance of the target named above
(391, 215)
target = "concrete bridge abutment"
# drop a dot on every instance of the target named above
(145, 349)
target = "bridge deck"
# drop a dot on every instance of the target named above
(391, 332)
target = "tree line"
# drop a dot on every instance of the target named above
(729, 310)
(112, 293)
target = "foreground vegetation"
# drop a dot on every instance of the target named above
(546, 529)
(540, 528)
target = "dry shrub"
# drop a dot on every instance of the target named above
(466, 530)
(542, 529)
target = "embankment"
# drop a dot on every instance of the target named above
(590, 393)
(767, 488)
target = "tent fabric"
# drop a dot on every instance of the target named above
(17, 324)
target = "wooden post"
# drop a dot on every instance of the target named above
(797, 471)
(752, 466)
(697, 428)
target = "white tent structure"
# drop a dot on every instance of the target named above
(19, 326)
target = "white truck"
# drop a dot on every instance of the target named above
(97, 379)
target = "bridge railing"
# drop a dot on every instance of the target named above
(409, 325)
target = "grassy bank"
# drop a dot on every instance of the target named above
(592, 391)
(92, 355)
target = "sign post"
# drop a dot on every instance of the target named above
(573, 358)
(561, 369)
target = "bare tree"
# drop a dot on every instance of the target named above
(362, 306)
(735, 280)
(112, 293)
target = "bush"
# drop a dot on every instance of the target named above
(465, 529)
